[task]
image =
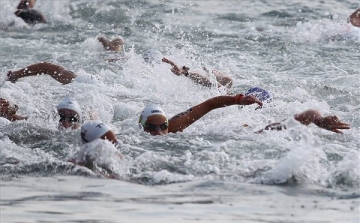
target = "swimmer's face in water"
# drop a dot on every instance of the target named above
(156, 125)
(69, 119)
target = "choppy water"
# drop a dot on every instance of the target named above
(303, 52)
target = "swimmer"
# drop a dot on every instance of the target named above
(96, 129)
(28, 14)
(90, 155)
(354, 18)
(331, 123)
(68, 110)
(221, 78)
(70, 114)
(115, 44)
(57, 72)
(154, 121)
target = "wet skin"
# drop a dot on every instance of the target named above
(156, 120)
(67, 124)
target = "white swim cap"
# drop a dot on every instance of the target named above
(149, 111)
(92, 130)
(4, 121)
(71, 104)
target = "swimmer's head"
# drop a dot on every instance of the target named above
(96, 129)
(154, 121)
(260, 94)
(152, 56)
(70, 113)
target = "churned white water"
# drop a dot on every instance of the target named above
(303, 52)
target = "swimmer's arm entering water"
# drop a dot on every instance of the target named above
(57, 72)
(184, 71)
(331, 123)
(8, 111)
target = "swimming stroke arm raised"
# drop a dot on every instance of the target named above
(183, 120)
(57, 72)
(184, 71)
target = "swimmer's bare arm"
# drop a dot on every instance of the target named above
(57, 72)
(184, 71)
(185, 119)
(175, 69)
(331, 123)
(8, 111)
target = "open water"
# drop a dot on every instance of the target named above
(217, 170)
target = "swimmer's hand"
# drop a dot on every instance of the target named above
(331, 123)
(240, 99)
(175, 69)
(7, 110)
(11, 77)
(165, 60)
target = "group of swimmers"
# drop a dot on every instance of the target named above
(153, 118)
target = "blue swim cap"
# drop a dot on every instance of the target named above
(260, 94)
